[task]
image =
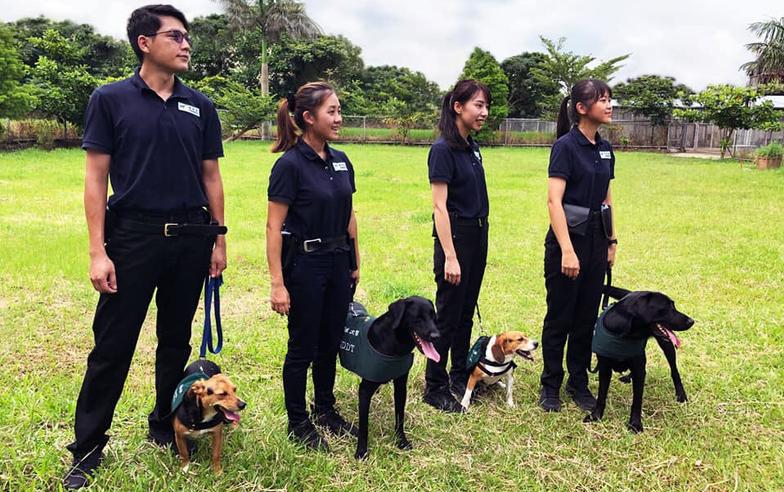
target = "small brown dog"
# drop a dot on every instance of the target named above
(497, 362)
(204, 401)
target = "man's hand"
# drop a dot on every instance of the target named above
(218, 259)
(102, 274)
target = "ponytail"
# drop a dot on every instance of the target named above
(291, 123)
(287, 129)
(463, 92)
(564, 122)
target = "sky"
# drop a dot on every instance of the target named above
(696, 41)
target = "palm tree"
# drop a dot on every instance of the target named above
(272, 18)
(769, 51)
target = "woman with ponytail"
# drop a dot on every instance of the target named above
(312, 252)
(579, 245)
(460, 209)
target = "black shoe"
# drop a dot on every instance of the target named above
(305, 433)
(549, 400)
(334, 423)
(458, 389)
(582, 397)
(444, 401)
(82, 470)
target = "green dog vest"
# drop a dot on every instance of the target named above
(612, 346)
(183, 387)
(359, 357)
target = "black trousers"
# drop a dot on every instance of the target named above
(319, 286)
(572, 307)
(174, 269)
(455, 304)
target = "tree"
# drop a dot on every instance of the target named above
(566, 68)
(16, 99)
(482, 66)
(296, 62)
(62, 88)
(652, 96)
(394, 90)
(271, 19)
(214, 51)
(732, 108)
(239, 108)
(525, 91)
(768, 65)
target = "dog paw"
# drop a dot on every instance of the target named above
(186, 468)
(591, 418)
(681, 397)
(218, 470)
(361, 454)
(635, 427)
(404, 444)
(511, 404)
(627, 378)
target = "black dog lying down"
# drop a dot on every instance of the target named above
(380, 350)
(619, 342)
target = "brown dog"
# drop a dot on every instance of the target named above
(497, 362)
(206, 406)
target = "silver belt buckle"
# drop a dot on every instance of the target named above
(306, 244)
(166, 231)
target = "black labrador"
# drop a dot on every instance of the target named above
(409, 323)
(619, 344)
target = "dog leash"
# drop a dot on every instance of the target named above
(479, 317)
(211, 291)
(606, 296)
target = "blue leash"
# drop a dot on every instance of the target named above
(211, 290)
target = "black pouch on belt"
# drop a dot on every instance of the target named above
(577, 218)
(288, 250)
(607, 221)
(108, 220)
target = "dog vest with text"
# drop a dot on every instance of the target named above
(612, 346)
(359, 357)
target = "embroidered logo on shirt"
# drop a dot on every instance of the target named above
(605, 154)
(189, 109)
(340, 166)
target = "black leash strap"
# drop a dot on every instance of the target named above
(211, 291)
(606, 295)
(479, 317)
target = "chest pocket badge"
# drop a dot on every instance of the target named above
(189, 109)
(478, 156)
(605, 154)
(340, 166)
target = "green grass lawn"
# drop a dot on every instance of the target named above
(709, 234)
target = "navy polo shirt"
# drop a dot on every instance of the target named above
(156, 146)
(586, 167)
(317, 191)
(461, 169)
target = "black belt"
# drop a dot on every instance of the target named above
(324, 245)
(462, 221)
(180, 224)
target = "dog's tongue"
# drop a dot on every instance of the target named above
(233, 416)
(673, 338)
(429, 350)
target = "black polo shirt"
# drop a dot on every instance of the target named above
(157, 147)
(318, 192)
(461, 169)
(586, 167)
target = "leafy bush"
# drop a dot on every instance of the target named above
(773, 150)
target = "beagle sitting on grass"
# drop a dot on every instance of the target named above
(492, 359)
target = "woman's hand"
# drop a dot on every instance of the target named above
(452, 270)
(355, 277)
(570, 264)
(611, 254)
(279, 299)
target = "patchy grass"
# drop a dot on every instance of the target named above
(708, 233)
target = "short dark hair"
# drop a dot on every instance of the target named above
(464, 91)
(146, 20)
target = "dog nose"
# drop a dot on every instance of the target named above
(241, 404)
(534, 343)
(689, 322)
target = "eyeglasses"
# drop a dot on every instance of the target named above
(175, 35)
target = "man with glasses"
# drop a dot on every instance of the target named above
(158, 142)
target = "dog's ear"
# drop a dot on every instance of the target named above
(498, 352)
(396, 311)
(618, 319)
(198, 388)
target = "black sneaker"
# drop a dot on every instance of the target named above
(305, 433)
(334, 422)
(582, 397)
(549, 400)
(82, 470)
(444, 401)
